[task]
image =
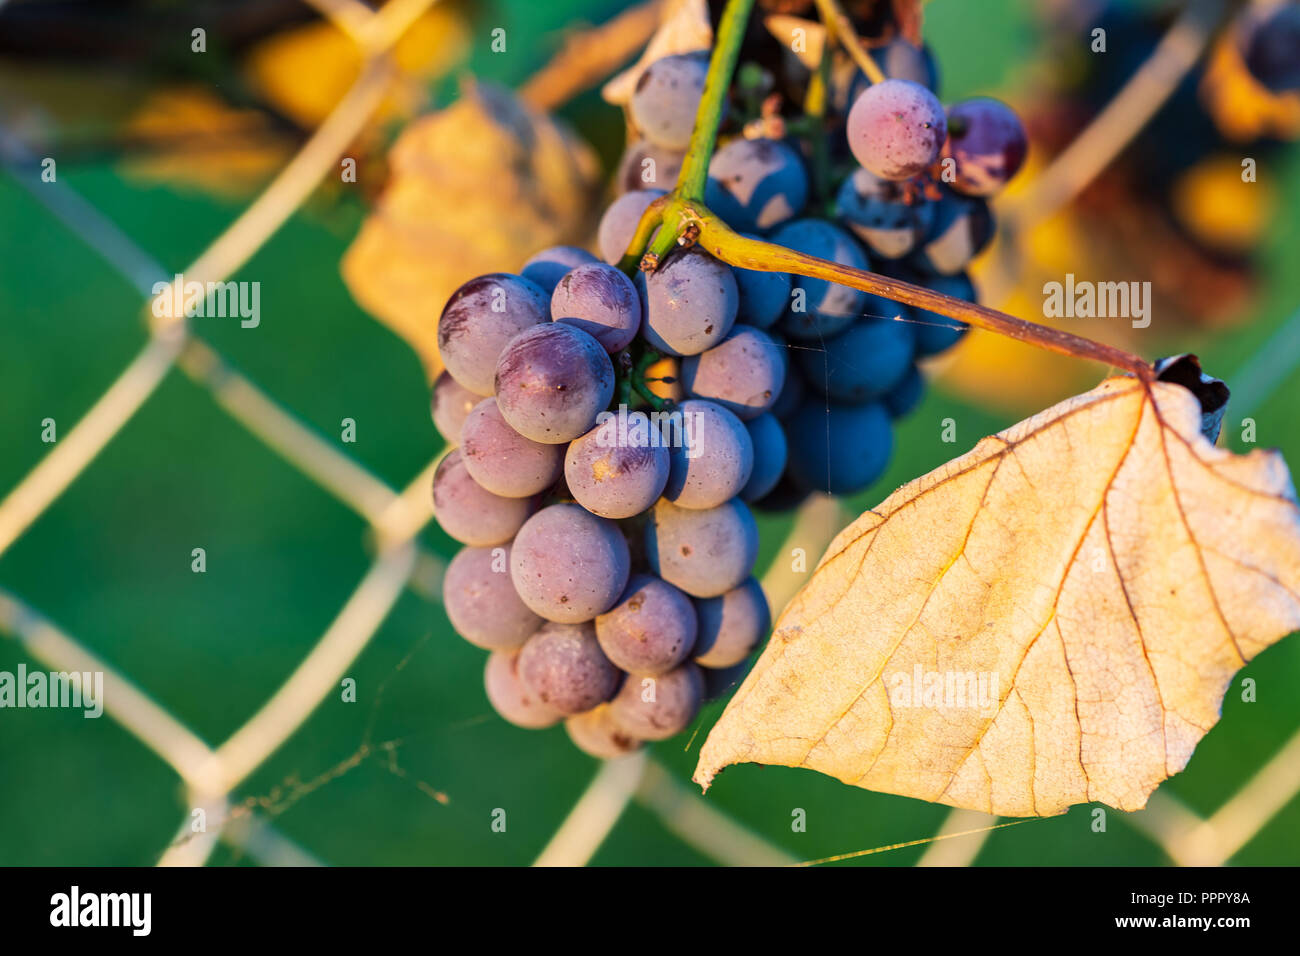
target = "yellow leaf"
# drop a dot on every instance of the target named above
(1050, 619)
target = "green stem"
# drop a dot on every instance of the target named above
(726, 51)
(736, 250)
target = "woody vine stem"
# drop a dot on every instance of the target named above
(682, 219)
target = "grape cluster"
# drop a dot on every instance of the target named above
(608, 548)
(611, 432)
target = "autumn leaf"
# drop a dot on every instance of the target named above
(1050, 619)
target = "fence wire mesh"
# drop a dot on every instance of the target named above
(395, 517)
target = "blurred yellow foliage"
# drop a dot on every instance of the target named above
(1242, 107)
(305, 71)
(1221, 210)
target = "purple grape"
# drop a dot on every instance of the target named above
(548, 267)
(690, 303)
(451, 403)
(896, 129)
(704, 553)
(563, 665)
(731, 625)
(719, 682)
(839, 449)
(1272, 51)
(656, 708)
(510, 698)
(503, 461)
(470, 513)
(987, 144)
(863, 362)
(744, 373)
(906, 395)
(770, 453)
(552, 382)
(937, 333)
(601, 301)
(666, 98)
(647, 166)
(786, 496)
(618, 224)
(619, 468)
(792, 395)
(819, 308)
(480, 318)
(962, 228)
(650, 630)
(481, 601)
(764, 296)
(710, 455)
(756, 184)
(595, 732)
(879, 214)
(569, 565)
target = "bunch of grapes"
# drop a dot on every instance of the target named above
(611, 432)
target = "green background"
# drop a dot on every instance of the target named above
(110, 561)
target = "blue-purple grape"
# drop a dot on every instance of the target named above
(690, 303)
(596, 733)
(552, 382)
(896, 129)
(703, 552)
(756, 184)
(563, 665)
(656, 708)
(721, 681)
(510, 698)
(481, 600)
(770, 454)
(619, 468)
(666, 98)
(764, 296)
(792, 394)
(903, 398)
(710, 455)
(987, 144)
(863, 362)
(450, 404)
(936, 333)
(818, 308)
(647, 166)
(618, 224)
(1272, 49)
(548, 267)
(503, 461)
(480, 318)
(470, 513)
(962, 228)
(601, 301)
(744, 373)
(878, 212)
(839, 449)
(731, 625)
(650, 630)
(568, 565)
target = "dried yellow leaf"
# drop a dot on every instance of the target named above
(1050, 619)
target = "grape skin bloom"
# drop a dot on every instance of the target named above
(568, 565)
(552, 382)
(619, 468)
(563, 665)
(650, 630)
(478, 321)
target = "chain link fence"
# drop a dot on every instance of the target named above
(395, 517)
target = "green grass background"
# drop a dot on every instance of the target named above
(110, 561)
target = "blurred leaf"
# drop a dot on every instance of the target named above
(475, 188)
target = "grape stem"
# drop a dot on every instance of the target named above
(682, 218)
(838, 24)
(743, 253)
